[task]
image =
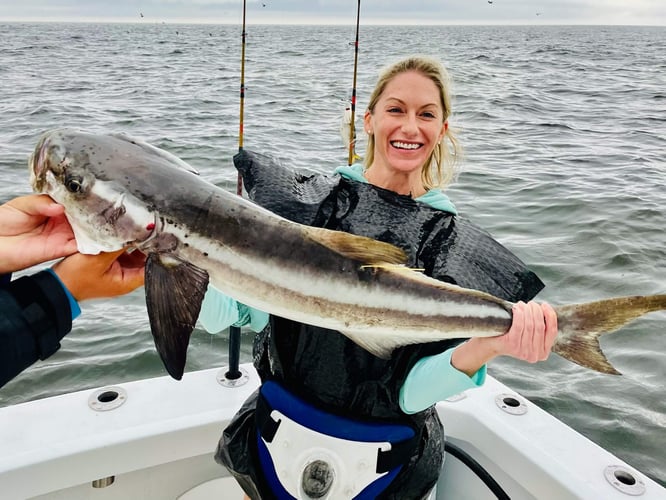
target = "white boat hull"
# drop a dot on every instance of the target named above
(159, 444)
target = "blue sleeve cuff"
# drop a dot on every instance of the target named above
(433, 379)
(73, 304)
(219, 311)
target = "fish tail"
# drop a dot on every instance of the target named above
(581, 325)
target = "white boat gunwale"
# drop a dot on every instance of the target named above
(160, 438)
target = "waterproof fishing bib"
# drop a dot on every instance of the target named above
(308, 453)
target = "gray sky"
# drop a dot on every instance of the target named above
(646, 12)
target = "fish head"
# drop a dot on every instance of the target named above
(85, 173)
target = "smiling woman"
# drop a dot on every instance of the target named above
(408, 130)
(397, 200)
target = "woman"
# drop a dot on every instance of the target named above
(317, 382)
(38, 309)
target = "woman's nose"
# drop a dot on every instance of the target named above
(409, 125)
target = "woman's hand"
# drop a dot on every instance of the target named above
(530, 338)
(33, 229)
(532, 333)
(107, 274)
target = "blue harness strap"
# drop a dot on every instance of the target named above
(273, 396)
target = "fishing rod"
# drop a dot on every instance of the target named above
(234, 372)
(352, 127)
(239, 185)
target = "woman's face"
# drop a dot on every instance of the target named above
(407, 122)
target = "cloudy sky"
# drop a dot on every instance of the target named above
(647, 12)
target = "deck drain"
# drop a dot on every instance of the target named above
(624, 480)
(104, 482)
(223, 379)
(107, 398)
(511, 404)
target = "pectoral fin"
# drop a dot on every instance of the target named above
(174, 292)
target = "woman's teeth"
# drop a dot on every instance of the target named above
(405, 145)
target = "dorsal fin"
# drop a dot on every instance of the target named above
(150, 149)
(360, 248)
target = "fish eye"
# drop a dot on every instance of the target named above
(74, 184)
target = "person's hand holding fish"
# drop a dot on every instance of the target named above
(33, 229)
(531, 335)
(107, 274)
(530, 338)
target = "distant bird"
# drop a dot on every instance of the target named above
(141, 13)
(538, 13)
(490, 1)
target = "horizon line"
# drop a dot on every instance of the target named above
(319, 22)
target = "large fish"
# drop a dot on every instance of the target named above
(120, 192)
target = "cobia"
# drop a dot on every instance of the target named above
(121, 192)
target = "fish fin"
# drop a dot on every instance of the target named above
(360, 248)
(174, 292)
(581, 325)
(169, 157)
(382, 349)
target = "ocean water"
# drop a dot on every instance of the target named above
(564, 130)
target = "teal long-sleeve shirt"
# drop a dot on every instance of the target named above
(430, 380)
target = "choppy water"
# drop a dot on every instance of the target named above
(564, 130)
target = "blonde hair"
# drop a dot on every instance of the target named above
(439, 169)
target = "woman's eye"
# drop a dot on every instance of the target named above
(394, 110)
(74, 184)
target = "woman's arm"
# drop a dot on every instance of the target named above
(438, 377)
(433, 379)
(530, 339)
(219, 312)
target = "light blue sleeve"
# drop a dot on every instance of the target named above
(433, 379)
(219, 311)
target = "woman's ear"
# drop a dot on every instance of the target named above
(445, 128)
(367, 122)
